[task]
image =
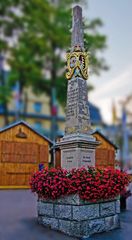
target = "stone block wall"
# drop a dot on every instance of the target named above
(78, 218)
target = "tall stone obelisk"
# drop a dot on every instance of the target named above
(78, 145)
(70, 214)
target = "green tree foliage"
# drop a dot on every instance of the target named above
(5, 93)
(43, 34)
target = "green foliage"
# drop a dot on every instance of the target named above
(43, 33)
(5, 94)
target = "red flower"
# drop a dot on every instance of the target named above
(91, 184)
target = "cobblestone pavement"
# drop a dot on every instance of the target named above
(18, 220)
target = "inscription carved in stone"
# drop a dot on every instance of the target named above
(87, 157)
(77, 114)
(77, 157)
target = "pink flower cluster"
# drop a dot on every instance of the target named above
(90, 183)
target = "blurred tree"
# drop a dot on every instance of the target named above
(5, 93)
(5, 96)
(40, 33)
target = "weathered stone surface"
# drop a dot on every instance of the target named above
(40, 220)
(116, 221)
(73, 199)
(96, 226)
(78, 220)
(50, 222)
(45, 208)
(118, 206)
(74, 228)
(77, 31)
(63, 211)
(85, 212)
(79, 228)
(65, 226)
(107, 208)
(47, 200)
(109, 222)
(75, 157)
(77, 112)
(87, 157)
(78, 121)
(68, 157)
(112, 222)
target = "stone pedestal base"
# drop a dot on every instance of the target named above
(77, 150)
(78, 218)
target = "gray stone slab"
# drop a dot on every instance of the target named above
(109, 222)
(107, 209)
(118, 206)
(45, 208)
(116, 221)
(65, 226)
(50, 222)
(85, 212)
(74, 228)
(63, 211)
(47, 200)
(96, 226)
(112, 222)
(79, 229)
(72, 199)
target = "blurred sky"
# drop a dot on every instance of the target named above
(115, 84)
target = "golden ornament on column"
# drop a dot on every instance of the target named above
(77, 63)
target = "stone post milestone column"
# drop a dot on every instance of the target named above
(78, 145)
(70, 214)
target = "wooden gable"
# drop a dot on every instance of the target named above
(104, 142)
(22, 132)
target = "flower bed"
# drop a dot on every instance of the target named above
(91, 184)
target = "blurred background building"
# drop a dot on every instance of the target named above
(33, 40)
(36, 111)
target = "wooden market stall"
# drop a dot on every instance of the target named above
(21, 150)
(105, 152)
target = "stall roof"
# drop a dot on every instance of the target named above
(103, 136)
(27, 125)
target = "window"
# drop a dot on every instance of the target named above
(22, 105)
(37, 125)
(37, 107)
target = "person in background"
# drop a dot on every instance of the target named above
(41, 166)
